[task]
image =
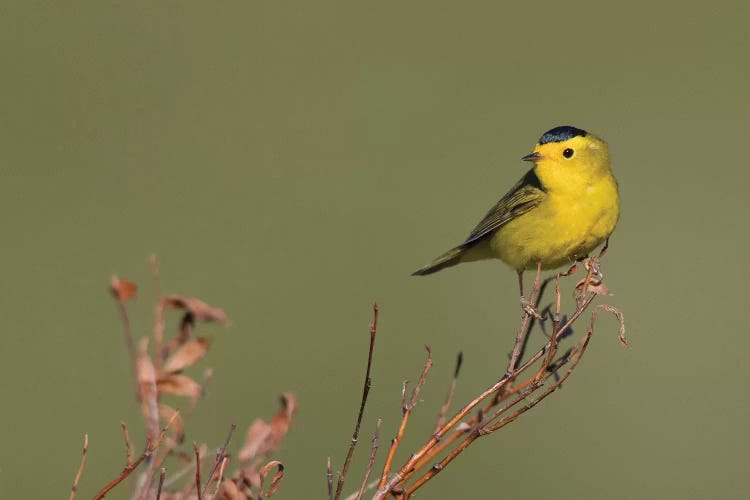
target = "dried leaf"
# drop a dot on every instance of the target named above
(277, 477)
(262, 439)
(196, 307)
(621, 318)
(179, 385)
(593, 286)
(256, 439)
(121, 289)
(147, 390)
(283, 419)
(230, 491)
(187, 355)
(167, 413)
(600, 289)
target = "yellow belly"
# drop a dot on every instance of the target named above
(561, 229)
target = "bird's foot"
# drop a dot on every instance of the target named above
(529, 309)
(593, 282)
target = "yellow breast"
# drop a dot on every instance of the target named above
(567, 225)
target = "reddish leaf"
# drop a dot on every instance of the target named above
(230, 491)
(263, 439)
(179, 385)
(121, 289)
(283, 419)
(277, 477)
(187, 355)
(196, 307)
(256, 440)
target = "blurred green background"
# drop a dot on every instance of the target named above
(292, 162)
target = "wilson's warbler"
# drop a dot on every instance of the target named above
(562, 209)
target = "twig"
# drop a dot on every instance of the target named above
(363, 402)
(220, 456)
(151, 446)
(523, 331)
(486, 429)
(159, 333)
(451, 392)
(129, 339)
(428, 450)
(74, 489)
(220, 479)
(329, 479)
(162, 475)
(371, 461)
(405, 413)
(128, 445)
(197, 471)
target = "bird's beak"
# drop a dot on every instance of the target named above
(532, 157)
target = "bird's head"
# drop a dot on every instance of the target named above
(567, 155)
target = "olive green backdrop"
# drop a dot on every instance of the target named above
(292, 162)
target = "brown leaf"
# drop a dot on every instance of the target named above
(121, 289)
(600, 289)
(187, 355)
(167, 413)
(147, 390)
(621, 318)
(256, 439)
(593, 286)
(277, 477)
(196, 307)
(179, 385)
(230, 491)
(283, 419)
(262, 439)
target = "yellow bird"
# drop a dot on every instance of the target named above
(563, 208)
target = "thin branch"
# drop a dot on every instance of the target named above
(151, 446)
(220, 479)
(363, 402)
(74, 489)
(197, 471)
(485, 430)
(426, 452)
(371, 461)
(523, 331)
(329, 479)
(128, 333)
(159, 333)
(162, 475)
(128, 445)
(406, 412)
(220, 456)
(451, 392)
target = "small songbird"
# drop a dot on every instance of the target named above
(563, 208)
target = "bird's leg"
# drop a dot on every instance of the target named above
(604, 249)
(528, 304)
(593, 282)
(596, 273)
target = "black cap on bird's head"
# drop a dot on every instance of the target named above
(560, 134)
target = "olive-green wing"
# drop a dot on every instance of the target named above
(524, 196)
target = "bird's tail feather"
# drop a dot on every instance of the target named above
(448, 259)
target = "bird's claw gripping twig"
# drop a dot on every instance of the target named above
(528, 308)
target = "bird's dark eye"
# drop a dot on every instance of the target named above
(568, 153)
